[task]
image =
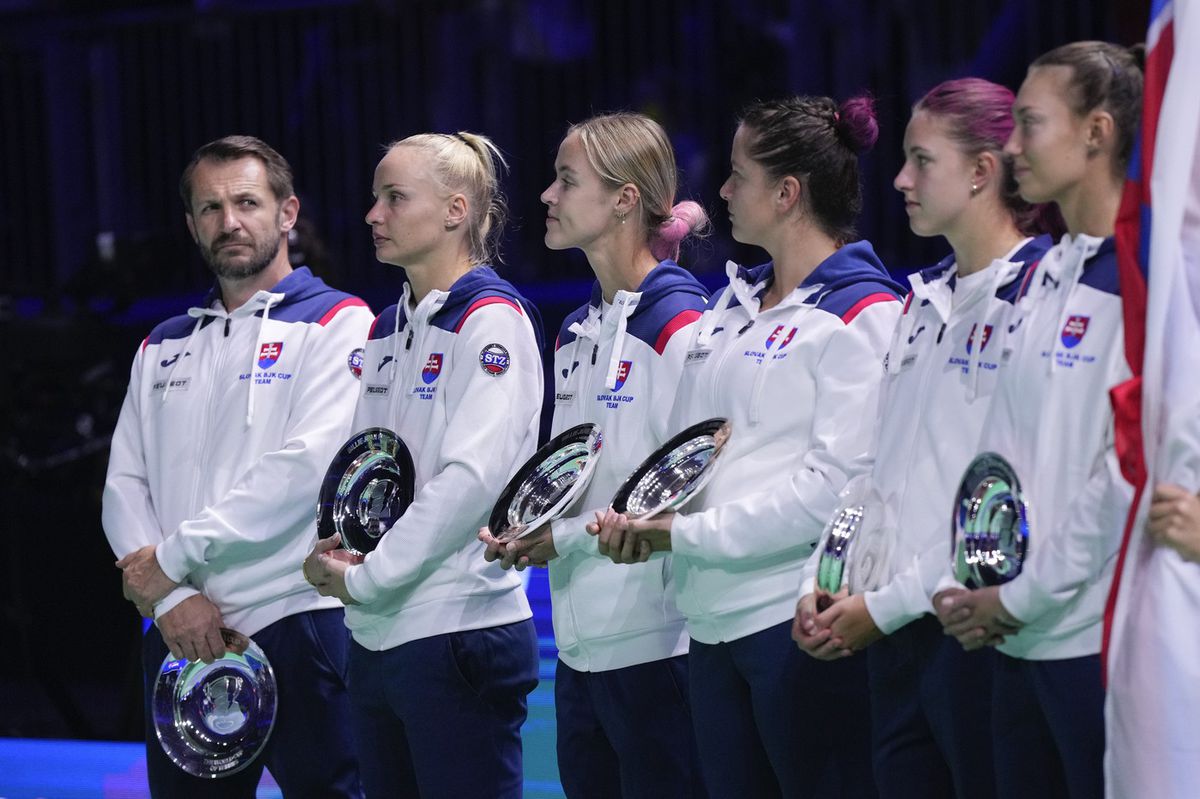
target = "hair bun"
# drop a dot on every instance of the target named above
(1138, 53)
(855, 123)
(686, 217)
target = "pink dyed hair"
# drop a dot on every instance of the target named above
(977, 114)
(686, 218)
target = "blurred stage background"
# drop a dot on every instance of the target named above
(102, 104)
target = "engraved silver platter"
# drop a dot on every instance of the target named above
(368, 486)
(674, 472)
(990, 527)
(212, 719)
(548, 483)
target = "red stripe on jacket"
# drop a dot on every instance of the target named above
(680, 320)
(350, 302)
(475, 306)
(866, 301)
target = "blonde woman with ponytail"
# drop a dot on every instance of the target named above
(624, 722)
(444, 650)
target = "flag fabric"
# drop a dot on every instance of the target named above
(1152, 621)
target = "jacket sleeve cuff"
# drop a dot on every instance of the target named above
(570, 535)
(1020, 599)
(174, 558)
(168, 603)
(687, 534)
(889, 610)
(359, 584)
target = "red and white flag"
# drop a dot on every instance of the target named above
(1152, 622)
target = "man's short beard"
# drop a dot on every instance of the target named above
(261, 258)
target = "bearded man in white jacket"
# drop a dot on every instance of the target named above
(233, 413)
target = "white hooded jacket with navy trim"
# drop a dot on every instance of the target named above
(940, 375)
(459, 378)
(619, 371)
(228, 426)
(800, 384)
(1052, 419)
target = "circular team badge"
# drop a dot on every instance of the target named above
(494, 359)
(355, 362)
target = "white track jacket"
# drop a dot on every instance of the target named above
(459, 379)
(800, 384)
(1052, 419)
(228, 426)
(620, 370)
(941, 374)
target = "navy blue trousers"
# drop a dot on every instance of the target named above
(774, 722)
(626, 733)
(310, 751)
(931, 715)
(440, 717)
(1048, 728)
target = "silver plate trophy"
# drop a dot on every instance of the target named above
(674, 472)
(835, 547)
(991, 523)
(212, 719)
(546, 485)
(368, 486)
(856, 544)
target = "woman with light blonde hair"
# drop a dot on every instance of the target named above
(444, 649)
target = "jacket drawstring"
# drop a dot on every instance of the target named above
(1002, 272)
(401, 307)
(587, 328)
(760, 378)
(938, 295)
(746, 295)
(1082, 247)
(627, 301)
(266, 299)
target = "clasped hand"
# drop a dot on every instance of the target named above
(143, 582)
(626, 540)
(831, 626)
(532, 549)
(976, 618)
(325, 568)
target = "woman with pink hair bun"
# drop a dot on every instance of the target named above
(791, 353)
(621, 684)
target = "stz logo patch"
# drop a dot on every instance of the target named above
(269, 353)
(494, 359)
(987, 336)
(622, 374)
(1074, 330)
(355, 362)
(433, 368)
(771, 339)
